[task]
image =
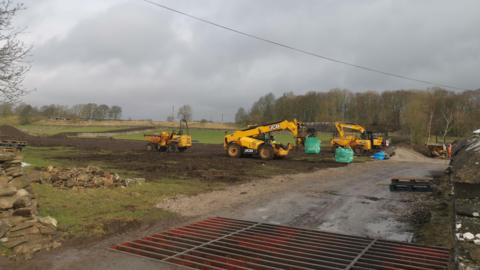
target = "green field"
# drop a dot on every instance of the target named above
(42, 157)
(216, 136)
(53, 130)
(211, 136)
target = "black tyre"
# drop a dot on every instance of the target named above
(172, 148)
(234, 150)
(358, 151)
(150, 147)
(266, 152)
(182, 149)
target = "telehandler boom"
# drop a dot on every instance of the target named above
(259, 140)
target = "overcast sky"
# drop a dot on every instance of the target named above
(147, 59)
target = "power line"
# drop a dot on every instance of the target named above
(386, 73)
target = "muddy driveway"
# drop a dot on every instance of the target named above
(352, 200)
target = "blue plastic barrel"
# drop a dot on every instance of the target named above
(379, 155)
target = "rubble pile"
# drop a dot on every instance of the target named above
(465, 169)
(21, 230)
(465, 163)
(88, 177)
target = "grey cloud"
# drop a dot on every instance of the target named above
(147, 59)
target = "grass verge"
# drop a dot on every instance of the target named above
(98, 212)
(44, 156)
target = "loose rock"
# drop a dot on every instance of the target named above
(88, 177)
(468, 236)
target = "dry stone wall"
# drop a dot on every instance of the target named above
(22, 231)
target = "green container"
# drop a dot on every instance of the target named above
(344, 155)
(312, 145)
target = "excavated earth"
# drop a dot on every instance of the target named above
(202, 161)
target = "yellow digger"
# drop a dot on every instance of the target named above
(175, 141)
(258, 140)
(359, 139)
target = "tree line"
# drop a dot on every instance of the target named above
(418, 114)
(89, 111)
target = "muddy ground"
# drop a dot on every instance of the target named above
(202, 161)
(9, 132)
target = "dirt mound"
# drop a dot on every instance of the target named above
(406, 154)
(466, 161)
(9, 132)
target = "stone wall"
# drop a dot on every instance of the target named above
(22, 231)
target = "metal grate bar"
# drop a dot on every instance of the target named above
(222, 243)
(354, 261)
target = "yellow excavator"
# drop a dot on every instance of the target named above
(175, 141)
(360, 140)
(258, 140)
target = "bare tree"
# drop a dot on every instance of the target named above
(185, 112)
(12, 54)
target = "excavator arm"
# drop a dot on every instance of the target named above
(341, 126)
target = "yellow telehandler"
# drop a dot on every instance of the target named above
(175, 141)
(258, 140)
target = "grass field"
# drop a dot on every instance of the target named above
(42, 157)
(53, 130)
(215, 136)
